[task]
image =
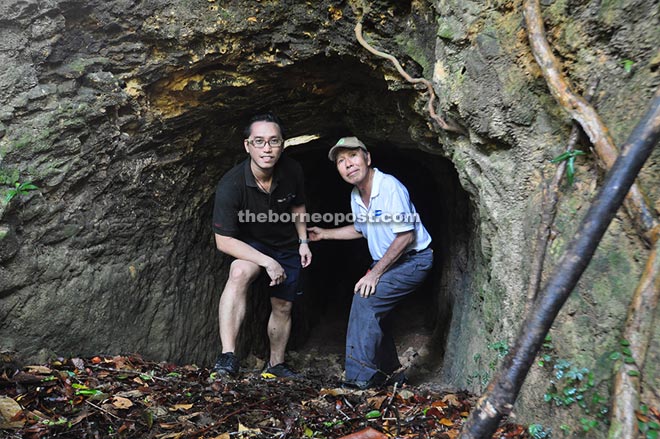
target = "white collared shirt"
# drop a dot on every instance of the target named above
(389, 212)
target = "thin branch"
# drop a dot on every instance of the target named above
(503, 390)
(637, 332)
(447, 126)
(638, 208)
(548, 212)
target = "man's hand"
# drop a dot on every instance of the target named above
(367, 285)
(275, 272)
(315, 233)
(305, 255)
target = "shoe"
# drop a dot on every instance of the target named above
(398, 378)
(227, 364)
(356, 384)
(377, 380)
(281, 370)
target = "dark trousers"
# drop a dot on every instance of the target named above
(369, 347)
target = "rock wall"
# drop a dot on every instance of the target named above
(125, 114)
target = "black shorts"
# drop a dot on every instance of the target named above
(289, 259)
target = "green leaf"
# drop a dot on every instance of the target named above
(627, 351)
(373, 414)
(570, 170)
(615, 355)
(88, 392)
(627, 65)
(11, 194)
(27, 186)
(654, 425)
(624, 342)
(652, 434)
(633, 373)
(561, 157)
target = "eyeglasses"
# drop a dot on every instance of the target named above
(260, 143)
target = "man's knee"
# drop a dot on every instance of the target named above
(281, 307)
(243, 272)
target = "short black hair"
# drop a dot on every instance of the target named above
(265, 117)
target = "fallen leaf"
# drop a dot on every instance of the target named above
(42, 370)
(121, 403)
(168, 425)
(446, 422)
(451, 399)
(176, 407)
(252, 19)
(96, 360)
(376, 401)
(334, 392)
(248, 431)
(367, 433)
(78, 363)
(130, 394)
(222, 436)
(9, 409)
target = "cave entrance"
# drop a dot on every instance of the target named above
(333, 97)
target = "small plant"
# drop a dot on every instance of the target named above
(625, 354)
(572, 385)
(537, 431)
(569, 156)
(588, 424)
(648, 427)
(19, 189)
(628, 65)
(502, 349)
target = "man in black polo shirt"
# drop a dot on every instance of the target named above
(259, 219)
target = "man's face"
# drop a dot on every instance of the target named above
(353, 165)
(264, 133)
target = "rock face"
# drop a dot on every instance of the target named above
(125, 114)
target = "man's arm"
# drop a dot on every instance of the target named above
(299, 216)
(240, 250)
(343, 233)
(367, 285)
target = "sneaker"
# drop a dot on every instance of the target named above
(398, 378)
(227, 364)
(377, 380)
(281, 370)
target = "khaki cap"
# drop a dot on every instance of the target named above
(346, 142)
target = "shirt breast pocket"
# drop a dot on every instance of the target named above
(283, 204)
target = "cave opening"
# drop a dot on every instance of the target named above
(328, 97)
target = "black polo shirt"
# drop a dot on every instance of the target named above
(242, 210)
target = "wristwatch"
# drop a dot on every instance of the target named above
(303, 241)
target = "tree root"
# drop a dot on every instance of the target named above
(446, 125)
(641, 213)
(548, 212)
(637, 332)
